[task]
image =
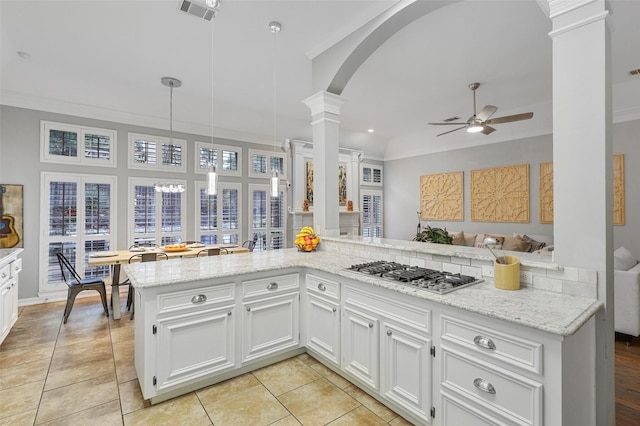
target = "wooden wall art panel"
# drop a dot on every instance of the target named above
(546, 192)
(500, 194)
(618, 189)
(441, 196)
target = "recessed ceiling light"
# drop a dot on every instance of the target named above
(370, 130)
(24, 55)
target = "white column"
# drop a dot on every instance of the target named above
(325, 120)
(582, 167)
(353, 189)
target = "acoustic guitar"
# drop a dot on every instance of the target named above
(8, 234)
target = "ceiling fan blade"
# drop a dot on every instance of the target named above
(459, 128)
(447, 124)
(510, 118)
(487, 129)
(486, 112)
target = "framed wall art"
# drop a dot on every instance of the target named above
(11, 216)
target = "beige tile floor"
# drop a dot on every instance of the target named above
(82, 373)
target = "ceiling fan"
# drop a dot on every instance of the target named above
(481, 122)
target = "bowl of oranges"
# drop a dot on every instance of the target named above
(306, 239)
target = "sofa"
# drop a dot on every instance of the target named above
(540, 244)
(626, 286)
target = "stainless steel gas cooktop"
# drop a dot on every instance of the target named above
(423, 278)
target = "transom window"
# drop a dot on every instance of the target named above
(68, 143)
(262, 164)
(148, 152)
(228, 159)
(371, 175)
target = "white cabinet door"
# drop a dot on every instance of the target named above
(405, 366)
(360, 346)
(192, 345)
(5, 308)
(269, 325)
(323, 328)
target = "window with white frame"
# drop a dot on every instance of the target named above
(77, 217)
(148, 152)
(262, 164)
(73, 144)
(228, 159)
(267, 223)
(371, 204)
(219, 216)
(155, 217)
(370, 175)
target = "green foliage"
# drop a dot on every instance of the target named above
(433, 235)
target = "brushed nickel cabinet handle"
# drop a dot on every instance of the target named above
(370, 325)
(389, 333)
(484, 342)
(484, 386)
(199, 298)
(229, 313)
(334, 309)
(248, 308)
(272, 286)
(322, 287)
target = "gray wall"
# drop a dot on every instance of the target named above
(402, 180)
(20, 164)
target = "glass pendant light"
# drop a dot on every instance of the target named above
(275, 28)
(171, 83)
(212, 175)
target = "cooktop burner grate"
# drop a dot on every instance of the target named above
(423, 278)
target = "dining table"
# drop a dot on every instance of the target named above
(115, 258)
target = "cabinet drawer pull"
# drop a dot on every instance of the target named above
(484, 342)
(370, 325)
(248, 308)
(272, 286)
(229, 313)
(322, 287)
(4, 275)
(334, 309)
(484, 386)
(199, 298)
(389, 333)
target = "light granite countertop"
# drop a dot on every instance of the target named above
(534, 260)
(551, 312)
(7, 253)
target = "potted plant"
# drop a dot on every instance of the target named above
(434, 235)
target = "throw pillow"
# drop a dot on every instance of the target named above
(480, 240)
(470, 239)
(458, 239)
(535, 245)
(517, 243)
(623, 260)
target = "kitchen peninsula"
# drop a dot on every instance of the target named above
(478, 355)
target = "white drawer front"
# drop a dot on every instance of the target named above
(321, 286)
(509, 395)
(457, 412)
(16, 267)
(170, 302)
(410, 314)
(500, 346)
(270, 286)
(5, 274)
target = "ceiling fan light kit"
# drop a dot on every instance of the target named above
(480, 122)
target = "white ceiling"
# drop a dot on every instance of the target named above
(104, 59)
